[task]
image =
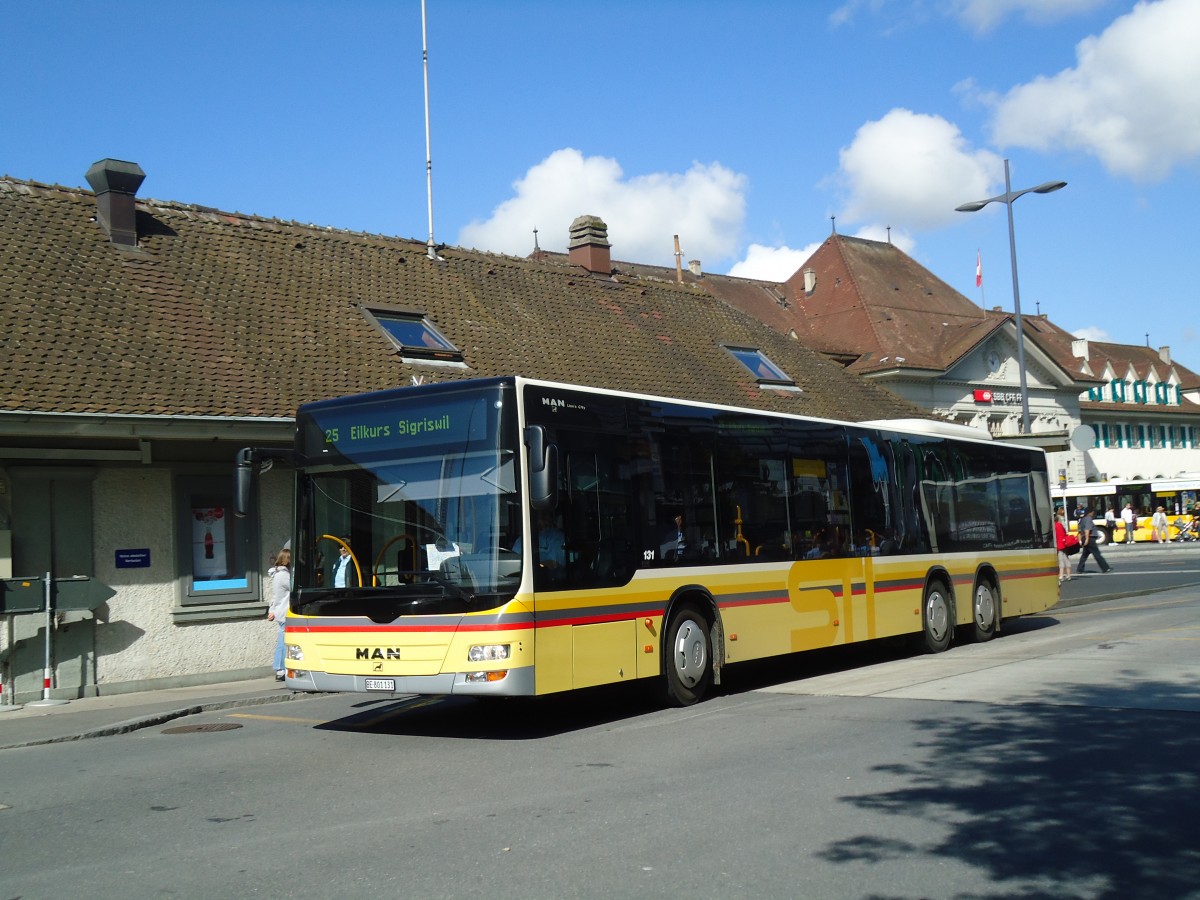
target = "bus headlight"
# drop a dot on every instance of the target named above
(293, 651)
(485, 677)
(487, 652)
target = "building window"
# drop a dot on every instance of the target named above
(216, 551)
(1118, 390)
(1156, 437)
(414, 336)
(760, 366)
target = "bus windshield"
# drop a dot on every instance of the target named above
(408, 504)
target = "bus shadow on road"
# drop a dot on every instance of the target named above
(511, 719)
(533, 718)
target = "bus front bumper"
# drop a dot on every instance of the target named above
(517, 683)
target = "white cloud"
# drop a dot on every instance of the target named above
(1093, 333)
(911, 170)
(771, 263)
(1131, 100)
(705, 206)
(978, 16)
(982, 16)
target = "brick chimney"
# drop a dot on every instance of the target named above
(116, 184)
(589, 245)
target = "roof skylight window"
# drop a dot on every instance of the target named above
(414, 336)
(760, 366)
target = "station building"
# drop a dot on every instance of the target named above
(1103, 411)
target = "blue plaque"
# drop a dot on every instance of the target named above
(133, 559)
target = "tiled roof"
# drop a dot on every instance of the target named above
(220, 314)
(874, 301)
(874, 308)
(1143, 360)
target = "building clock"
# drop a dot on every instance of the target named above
(993, 361)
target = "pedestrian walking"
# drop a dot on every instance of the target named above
(1087, 540)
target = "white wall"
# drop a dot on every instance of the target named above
(137, 638)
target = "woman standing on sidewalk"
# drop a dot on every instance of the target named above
(1060, 538)
(281, 593)
(1159, 523)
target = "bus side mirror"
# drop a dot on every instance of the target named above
(251, 461)
(243, 481)
(543, 469)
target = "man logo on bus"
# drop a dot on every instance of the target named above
(376, 652)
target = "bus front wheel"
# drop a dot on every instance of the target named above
(688, 657)
(937, 618)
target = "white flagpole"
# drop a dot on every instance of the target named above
(432, 252)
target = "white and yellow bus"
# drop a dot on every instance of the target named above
(1179, 497)
(513, 537)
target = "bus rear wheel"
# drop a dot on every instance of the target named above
(687, 655)
(984, 610)
(937, 618)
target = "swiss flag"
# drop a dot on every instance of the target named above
(978, 269)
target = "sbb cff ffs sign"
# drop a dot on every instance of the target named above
(984, 395)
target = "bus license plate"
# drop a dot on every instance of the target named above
(380, 684)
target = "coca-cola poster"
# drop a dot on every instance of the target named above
(208, 542)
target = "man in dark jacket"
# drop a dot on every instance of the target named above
(1087, 542)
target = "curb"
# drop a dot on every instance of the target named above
(149, 720)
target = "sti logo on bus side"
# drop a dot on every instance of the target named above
(376, 652)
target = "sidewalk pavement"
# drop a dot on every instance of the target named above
(90, 717)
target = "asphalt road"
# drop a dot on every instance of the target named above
(1136, 569)
(1056, 761)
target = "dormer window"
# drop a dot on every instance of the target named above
(414, 336)
(760, 366)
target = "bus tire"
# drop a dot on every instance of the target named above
(984, 611)
(937, 617)
(687, 657)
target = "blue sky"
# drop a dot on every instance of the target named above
(742, 127)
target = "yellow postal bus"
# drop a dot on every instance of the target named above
(512, 537)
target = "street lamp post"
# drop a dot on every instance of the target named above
(1007, 199)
